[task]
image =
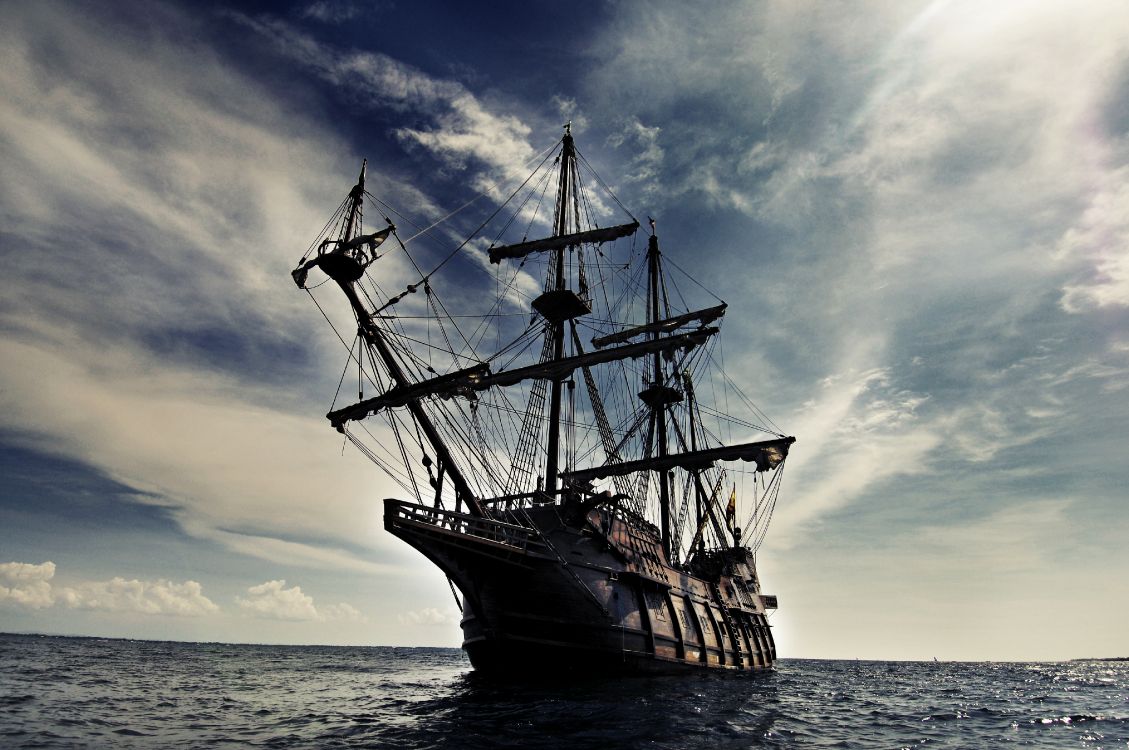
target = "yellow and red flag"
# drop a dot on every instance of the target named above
(731, 510)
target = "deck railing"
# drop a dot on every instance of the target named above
(512, 535)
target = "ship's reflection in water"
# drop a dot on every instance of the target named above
(804, 703)
(687, 711)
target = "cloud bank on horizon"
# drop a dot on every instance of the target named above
(30, 586)
(918, 211)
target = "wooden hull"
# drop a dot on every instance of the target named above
(546, 597)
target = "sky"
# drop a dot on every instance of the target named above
(918, 212)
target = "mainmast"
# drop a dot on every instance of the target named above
(556, 327)
(657, 396)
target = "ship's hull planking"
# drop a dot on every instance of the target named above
(591, 597)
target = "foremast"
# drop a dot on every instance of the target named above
(344, 261)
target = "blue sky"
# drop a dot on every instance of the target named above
(917, 211)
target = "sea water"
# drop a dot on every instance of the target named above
(85, 692)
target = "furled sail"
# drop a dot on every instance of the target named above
(521, 249)
(768, 454)
(479, 377)
(563, 367)
(705, 317)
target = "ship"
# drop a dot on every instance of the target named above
(572, 455)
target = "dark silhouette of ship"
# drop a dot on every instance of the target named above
(561, 465)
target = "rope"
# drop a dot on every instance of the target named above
(500, 434)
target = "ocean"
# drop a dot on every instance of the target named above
(60, 692)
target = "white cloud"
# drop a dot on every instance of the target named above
(427, 616)
(92, 365)
(158, 597)
(149, 222)
(342, 612)
(940, 151)
(863, 430)
(569, 111)
(175, 239)
(195, 441)
(273, 600)
(26, 584)
(859, 432)
(30, 586)
(642, 141)
(340, 11)
(931, 174)
(1099, 242)
(462, 127)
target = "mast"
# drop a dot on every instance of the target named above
(654, 343)
(372, 334)
(660, 397)
(699, 493)
(479, 377)
(357, 196)
(556, 330)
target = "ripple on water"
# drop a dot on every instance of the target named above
(61, 692)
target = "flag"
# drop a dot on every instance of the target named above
(731, 509)
(374, 240)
